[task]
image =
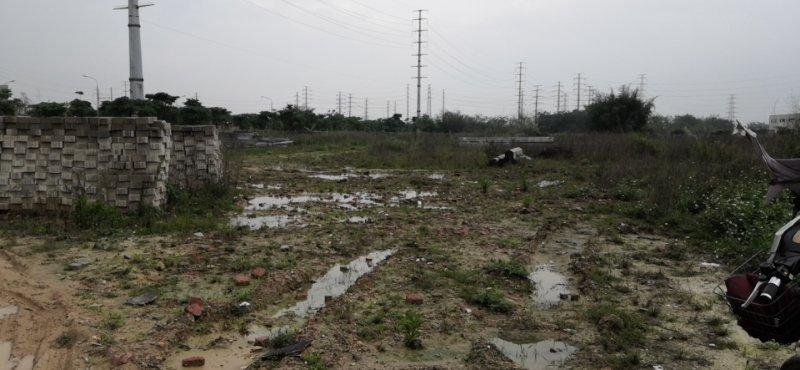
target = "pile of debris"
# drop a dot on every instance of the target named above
(513, 155)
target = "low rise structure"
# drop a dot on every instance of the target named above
(777, 121)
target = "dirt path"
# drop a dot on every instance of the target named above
(33, 314)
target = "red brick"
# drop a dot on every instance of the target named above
(414, 298)
(194, 361)
(195, 307)
(118, 358)
(262, 341)
(258, 272)
(241, 280)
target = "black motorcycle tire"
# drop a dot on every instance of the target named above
(793, 363)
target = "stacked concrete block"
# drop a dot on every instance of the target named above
(196, 156)
(49, 163)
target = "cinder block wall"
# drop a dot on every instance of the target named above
(196, 156)
(48, 163)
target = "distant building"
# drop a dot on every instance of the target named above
(777, 121)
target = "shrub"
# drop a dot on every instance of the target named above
(409, 324)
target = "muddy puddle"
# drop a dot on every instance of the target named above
(411, 195)
(327, 177)
(8, 311)
(358, 220)
(335, 283)
(542, 355)
(263, 203)
(234, 351)
(378, 175)
(549, 286)
(260, 222)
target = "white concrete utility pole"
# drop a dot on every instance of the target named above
(135, 49)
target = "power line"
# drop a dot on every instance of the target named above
(357, 29)
(376, 10)
(319, 28)
(366, 18)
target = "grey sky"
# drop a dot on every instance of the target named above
(232, 52)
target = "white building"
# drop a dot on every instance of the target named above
(777, 121)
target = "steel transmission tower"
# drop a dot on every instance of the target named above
(558, 97)
(419, 54)
(536, 104)
(642, 84)
(520, 93)
(578, 88)
(443, 100)
(429, 100)
(732, 108)
(408, 100)
(135, 49)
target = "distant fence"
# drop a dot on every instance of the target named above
(506, 140)
(48, 163)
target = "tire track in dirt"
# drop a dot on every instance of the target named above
(41, 316)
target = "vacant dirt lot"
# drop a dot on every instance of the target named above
(454, 265)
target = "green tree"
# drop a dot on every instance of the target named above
(8, 106)
(80, 108)
(126, 107)
(220, 116)
(297, 119)
(194, 113)
(619, 112)
(426, 124)
(162, 98)
(48, 109)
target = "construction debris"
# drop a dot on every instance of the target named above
(512, 155)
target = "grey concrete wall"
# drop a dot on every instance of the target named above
(48, 163)
(196, 156)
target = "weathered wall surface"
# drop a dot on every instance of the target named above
(48, 163)
(196, 156)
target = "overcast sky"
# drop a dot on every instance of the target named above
(695, 54)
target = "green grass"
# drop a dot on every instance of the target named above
(621, 329)
(185, 212)
(491, 299)
(507, 269)
(113, 320)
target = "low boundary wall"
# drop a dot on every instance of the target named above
(49, 163)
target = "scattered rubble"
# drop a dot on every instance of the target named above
(142, 300)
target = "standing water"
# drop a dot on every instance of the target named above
(536, 356)
(335, 283)
(549, 286)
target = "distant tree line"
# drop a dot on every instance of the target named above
(621, 111)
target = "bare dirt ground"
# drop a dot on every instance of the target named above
(455, 291)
